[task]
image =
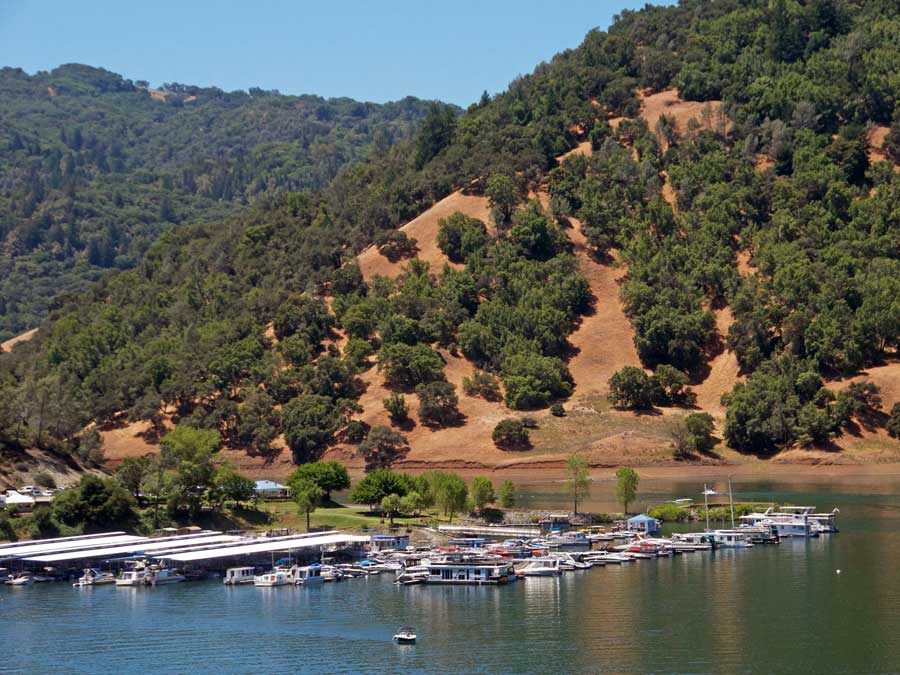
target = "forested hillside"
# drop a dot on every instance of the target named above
(93, 167)
(720, 175)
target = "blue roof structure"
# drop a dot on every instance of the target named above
(269, 485)
(641, 518)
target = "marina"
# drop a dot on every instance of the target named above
(603, 612)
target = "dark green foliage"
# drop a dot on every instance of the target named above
(232, 486)
(436, 133)
(632, 388)
(95, 172)
(408, 366)
(328, 476)
(507, 494)
(356, 431)
(482, 384)
(557, 410)
(395, 245)
(382, 446)
(693, 435)
(502, 195)
(893, 422)
(533, 381)
(397, 408)
(379, 484)
(438, 403)
(459, 236)
(95, 505)
(511, 434)
(310, 421)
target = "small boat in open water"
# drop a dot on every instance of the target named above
(405, 636)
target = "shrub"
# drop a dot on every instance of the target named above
(382, 446)
(408, 366)
(459, 236)
(44, 479)
(893, 422)
(394, 245)
(356, 431)
(632, 388)
(670, 513)
(693, 434)
(397, 408)
(511, 434)
(482, 384)
(532, 381)
(557, 410)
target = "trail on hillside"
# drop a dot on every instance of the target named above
(424, 229)
(13, 341)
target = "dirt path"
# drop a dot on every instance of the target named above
(424, 229)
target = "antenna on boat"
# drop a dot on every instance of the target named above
(731, 501)
(706, 504)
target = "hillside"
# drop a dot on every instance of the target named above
(704, 193)
(93, 167)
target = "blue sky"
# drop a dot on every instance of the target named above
(370, 50)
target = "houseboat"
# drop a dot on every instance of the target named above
(787, 524)
(235, 576)
(474, 572)
(732, 538)
(159, 575)
(306, 576)
(135, 575)
(276, 577)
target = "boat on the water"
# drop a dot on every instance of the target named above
(541, 567)
(235, 576)
(306, 576)
(275, 577)
(405, 635)
(160, 575)
(21, 579)
(94, 577)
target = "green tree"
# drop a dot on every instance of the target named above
(507, 497)
(631, 387)
(459, 236)
(511, 434)
(435, 134)
(310, 421)
(188, 452)
(627, 480)
(452, 494)
(438, 403)
(378, 484)
(382, 446)
(502, 196)
(307, 495)
(693, 435)
(482, 492)
(406, 366)
(96, 504)
(328, 476)
(234, 487)
(391, 505)
(412, 503)
(132, 472)
(578, 481)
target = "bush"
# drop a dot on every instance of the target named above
(408, 366)
(532, 381)
(893, 422)
(557, 410)
(394, 245)
(44, 479)
(632, 388)
(669, 513)
(438, 403)
(511, 434)
(693, 435)
(482, 384)
(397, 408)
(356, 431)
(459, 236)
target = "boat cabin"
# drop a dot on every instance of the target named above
(239, 575)
(389, 542)
(468, 573)
(644, 524)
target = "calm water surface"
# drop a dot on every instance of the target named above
(779, 609)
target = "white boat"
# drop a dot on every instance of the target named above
(276, 577)
(732, 538)
(405, 636)
(416, 574)
(134, 575)
(21, 579)
(611, 558)
(306, 576)
(94, 577)
(787, 524)
(235, 576)
(542, 567)
(475, 571)
(160, 576)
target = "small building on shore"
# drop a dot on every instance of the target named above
(643, 523)
(269, 489)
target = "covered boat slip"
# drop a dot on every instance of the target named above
(267, 545)
(82, 543)
(136, 548)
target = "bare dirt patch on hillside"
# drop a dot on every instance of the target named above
(707, 113)
(604, 341)
(723, 370)
(13, 341)
(876, 136)
(424, 229)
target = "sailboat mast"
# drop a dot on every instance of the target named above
(706, 504)
(731, 500)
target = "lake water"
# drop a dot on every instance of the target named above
(769, 609)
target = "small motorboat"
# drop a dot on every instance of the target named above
(94, 577)
(21, 579)
(405, 636)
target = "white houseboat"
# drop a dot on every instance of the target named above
(235, 576)
(476, 572)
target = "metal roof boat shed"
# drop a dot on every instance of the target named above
(136, 548)
(266, 545)
(62, 545)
